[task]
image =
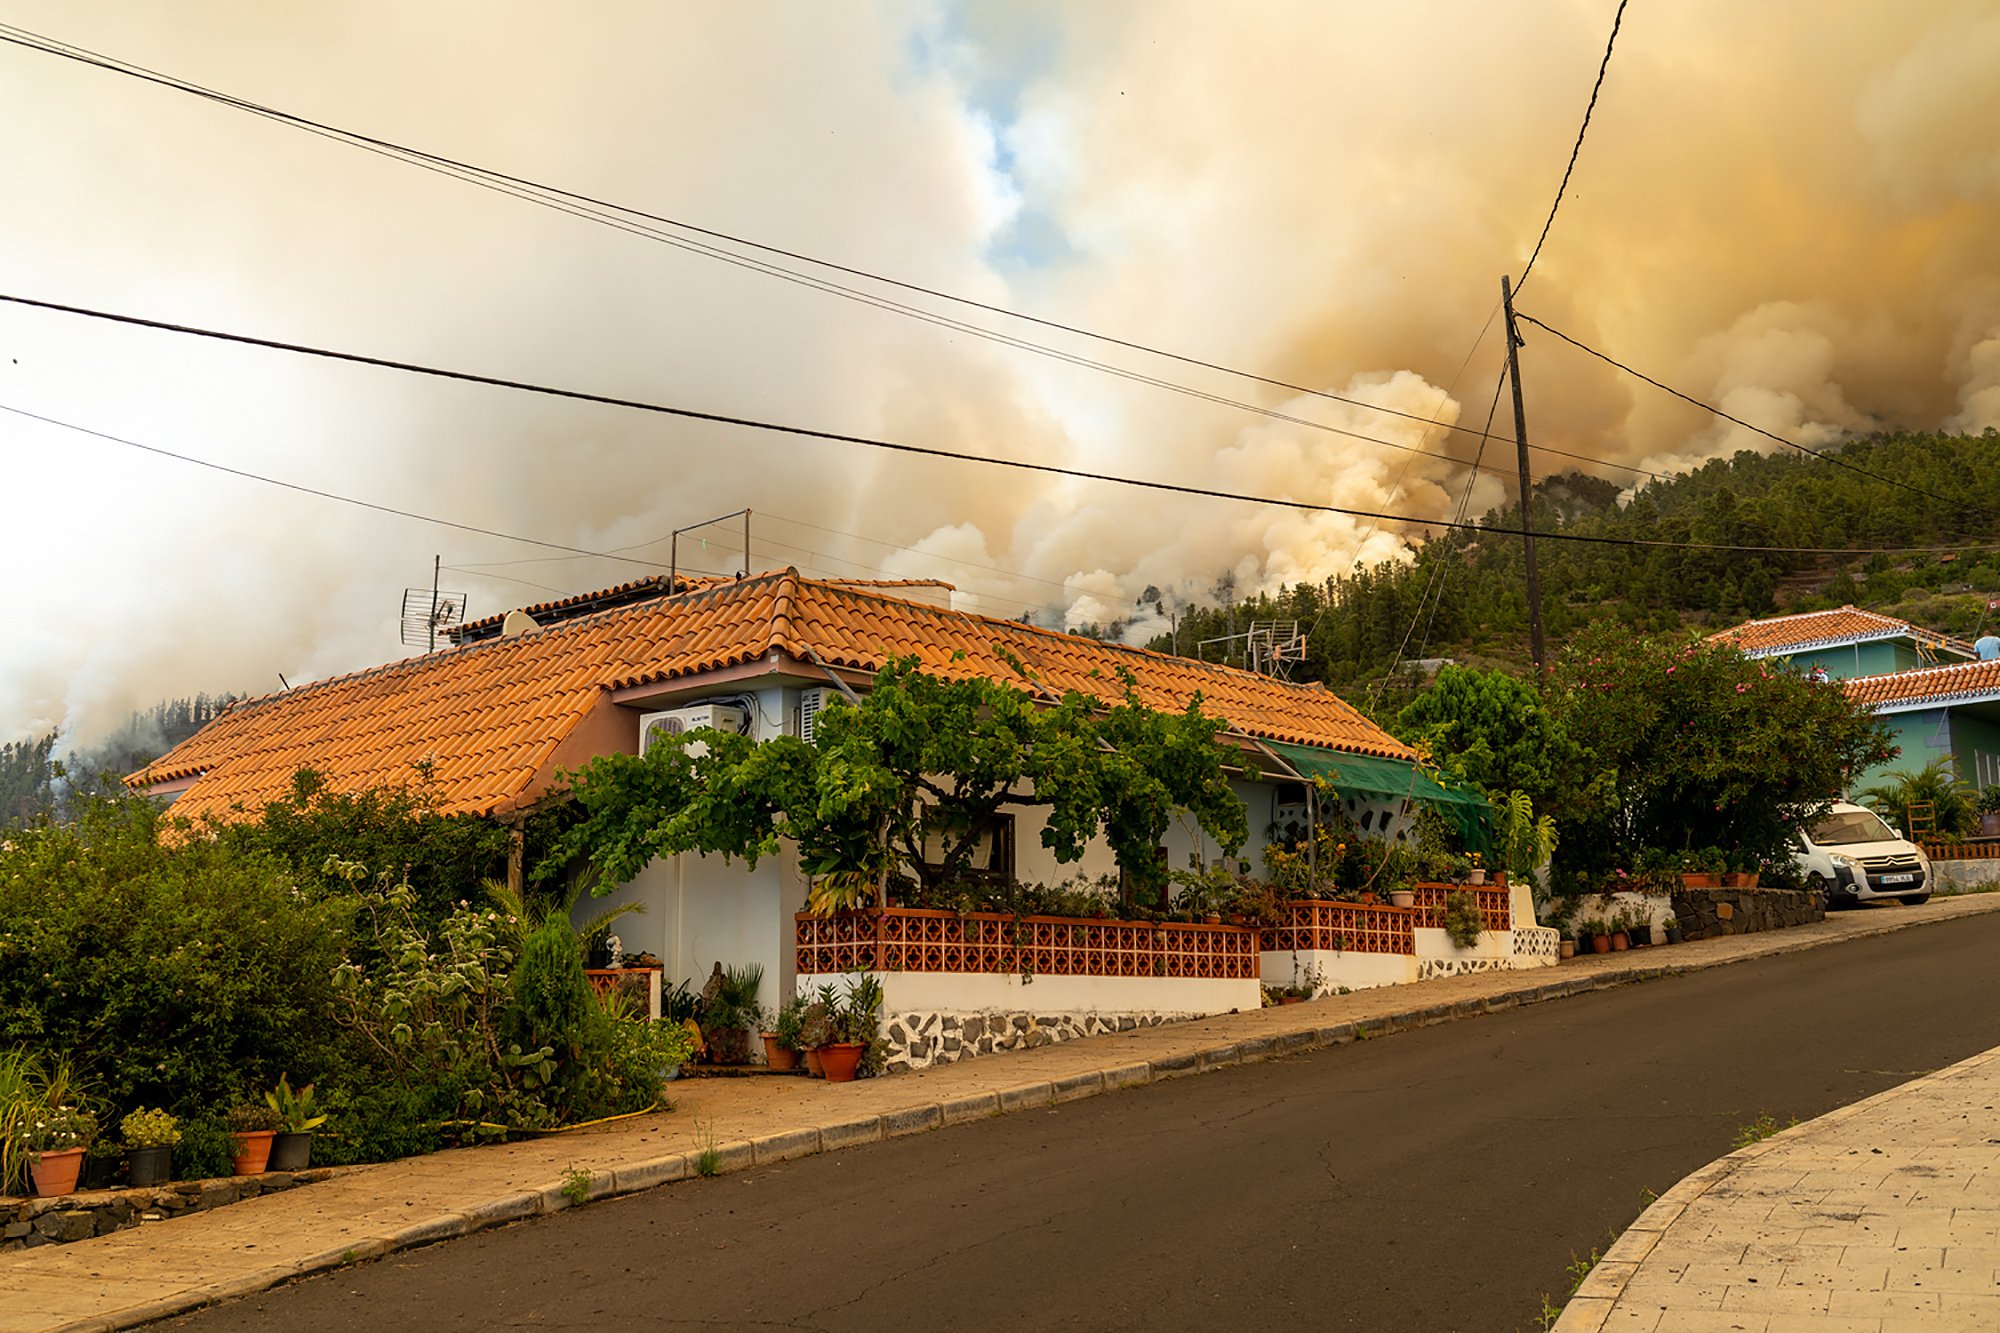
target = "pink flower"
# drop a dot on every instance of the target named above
(1741, 688)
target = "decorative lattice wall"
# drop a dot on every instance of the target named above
(904, 939)
(1495, 903)
(1342, 927)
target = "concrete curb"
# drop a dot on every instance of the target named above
(789, 1145)
(1591, 1307)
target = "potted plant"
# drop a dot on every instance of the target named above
(860, 1023)
(103, 1164)
(1475, 872)
(1703, 869)
(781, 1043)
(56, 1137)
(1600, 935)
(1621, 940)
(298, 1117)
(818, 1022)
(149, 1137)
(1673, 928)
(729, 1012)
(252, 1126)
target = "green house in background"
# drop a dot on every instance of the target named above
(1944, 712)
(1933, 691)
(1846, 643)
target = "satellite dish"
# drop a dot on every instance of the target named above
(517, 623)
(426, 611)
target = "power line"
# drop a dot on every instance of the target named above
(1575, 148)
(928, 451)
(579, 205)
(1823, 456)
(303, 489)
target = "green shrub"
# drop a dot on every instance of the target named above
(175, 972)
(207, 1148)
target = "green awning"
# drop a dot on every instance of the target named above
(1394, 779)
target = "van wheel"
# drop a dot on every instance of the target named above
(1816, 882)
(1916, 899)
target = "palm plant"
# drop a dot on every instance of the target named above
(1937, 785)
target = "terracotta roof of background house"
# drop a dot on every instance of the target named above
(1814, 629)
(1927, 685)
(487, 718)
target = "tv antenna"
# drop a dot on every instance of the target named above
(427, 610)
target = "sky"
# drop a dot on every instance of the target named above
(1792, 212)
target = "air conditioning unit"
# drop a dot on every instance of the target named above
(677, 721)
(812, 703)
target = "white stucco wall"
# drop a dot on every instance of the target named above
(1009, 993)
(1338, 968)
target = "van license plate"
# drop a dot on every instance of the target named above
(1897, 879)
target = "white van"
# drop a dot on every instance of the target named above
(1851, 856)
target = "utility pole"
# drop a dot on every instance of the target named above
(1536, 648)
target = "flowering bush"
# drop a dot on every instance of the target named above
(1691, 745)
(55, 1128)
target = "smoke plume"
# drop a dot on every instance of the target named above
(1790, 214)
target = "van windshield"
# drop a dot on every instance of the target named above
(1845, 826)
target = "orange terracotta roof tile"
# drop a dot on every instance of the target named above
(1813, 629)
(485, 719)
(1958, 683)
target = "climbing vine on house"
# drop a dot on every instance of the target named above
(907, 781)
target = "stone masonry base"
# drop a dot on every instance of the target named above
(25, 1223)
(920, 1040)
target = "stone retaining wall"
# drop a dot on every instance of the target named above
(920, 1040)
(68, 1217)
(1706, 913)
(1965, 873)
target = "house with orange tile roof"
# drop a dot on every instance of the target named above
(1845, 642)
(1928, 687)
(492, 723)
(1947, 712)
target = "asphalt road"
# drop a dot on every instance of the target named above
(1431, 1180)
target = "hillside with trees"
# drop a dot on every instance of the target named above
(36, 778)
(1462, 595)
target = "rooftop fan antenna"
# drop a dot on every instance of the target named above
(428, 610)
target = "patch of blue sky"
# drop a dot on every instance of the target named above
(994, 50)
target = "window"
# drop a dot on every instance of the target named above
(992, 851)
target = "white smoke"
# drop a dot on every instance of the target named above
(1801, 222)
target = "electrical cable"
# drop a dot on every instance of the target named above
(580, 205)
(1575, 149)
(928, 451)
(303, 489)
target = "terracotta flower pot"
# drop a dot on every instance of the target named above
(1700, 879)
(253, 1151)
(55, 1172)
(1565, 948)
(1600, 944)
(840, 1060)
(780, 1058)
(813, 1066)
(1620, 941)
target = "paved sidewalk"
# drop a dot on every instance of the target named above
(160, 1269)
(1879, 1216)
